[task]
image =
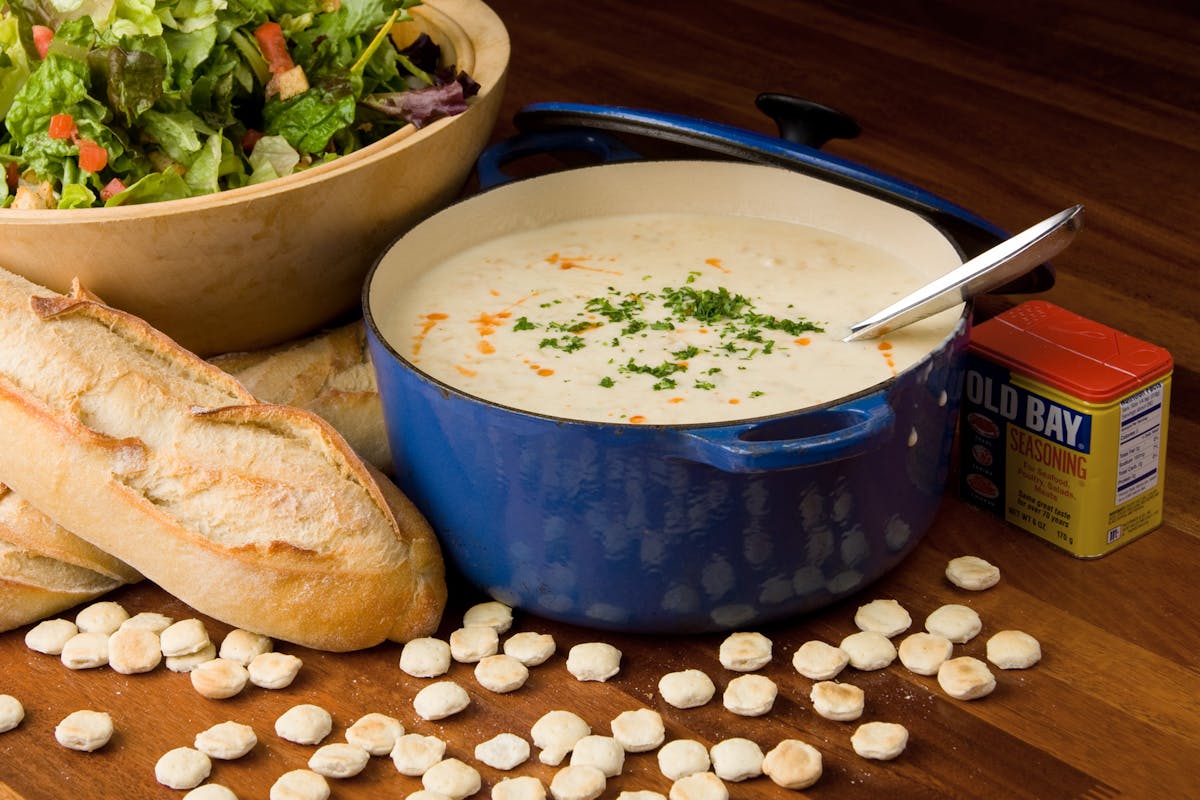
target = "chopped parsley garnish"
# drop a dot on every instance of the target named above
(661, 371)
(634, 326)
(739, 328)
(576, 327)
(789, 326)
(705, 305)
(627, 309)
(568, 344)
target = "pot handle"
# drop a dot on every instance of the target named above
(801, 440)
(491, 162)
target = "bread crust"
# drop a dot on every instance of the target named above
(34, 586)
(25, 527)
(330, 374)
(257, 515)
(45, 569)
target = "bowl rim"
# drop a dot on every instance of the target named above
(482, 48)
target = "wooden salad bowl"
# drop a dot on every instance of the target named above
(258, 265)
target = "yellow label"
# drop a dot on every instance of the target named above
(1087, 478)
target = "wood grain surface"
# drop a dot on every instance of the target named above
(1014, 110)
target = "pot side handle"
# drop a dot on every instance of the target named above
(597, 144)
(800, 440)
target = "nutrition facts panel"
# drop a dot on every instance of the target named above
(1141, 433)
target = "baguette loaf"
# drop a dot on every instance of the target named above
(26, 528)
(44, 569)
(258, 515)
(329, 374)
(33, 587)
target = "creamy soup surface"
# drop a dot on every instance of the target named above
(660, 319)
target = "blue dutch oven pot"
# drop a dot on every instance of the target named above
(674, 528)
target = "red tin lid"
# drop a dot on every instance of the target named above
(1071, 353)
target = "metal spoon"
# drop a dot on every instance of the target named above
(995, 267)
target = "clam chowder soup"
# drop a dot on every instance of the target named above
(660, 319)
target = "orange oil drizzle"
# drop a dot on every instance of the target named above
(487, 323)
(716, 262)
(637, 419)
(429, 322)
(803, 341)
(574, 263)
(885, 348)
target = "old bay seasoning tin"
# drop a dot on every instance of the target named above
(1064, 428)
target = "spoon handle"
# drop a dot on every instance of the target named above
(995, 267)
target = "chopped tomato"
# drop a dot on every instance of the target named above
(41, 39)
(115, 186)
(270, 40)
(92, 157)
(250, 138)
(62, 126)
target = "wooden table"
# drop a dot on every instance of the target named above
(1013, 110)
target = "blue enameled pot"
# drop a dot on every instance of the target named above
(682, 528)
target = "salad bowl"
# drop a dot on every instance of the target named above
(257, 265)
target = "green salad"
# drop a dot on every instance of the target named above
(112, 102)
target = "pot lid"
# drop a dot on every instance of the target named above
(803, 126)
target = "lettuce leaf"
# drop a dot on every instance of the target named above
(132, 80)
(76, 195)
(354, 18)
(203, 173)
(153, 188)
(272, 157)
(309, 120)
(58, 85)
(177, 133)
(189, 15)
(131, 18)
(14, 64)
(420, 106)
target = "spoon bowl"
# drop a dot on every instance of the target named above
(991, 269)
